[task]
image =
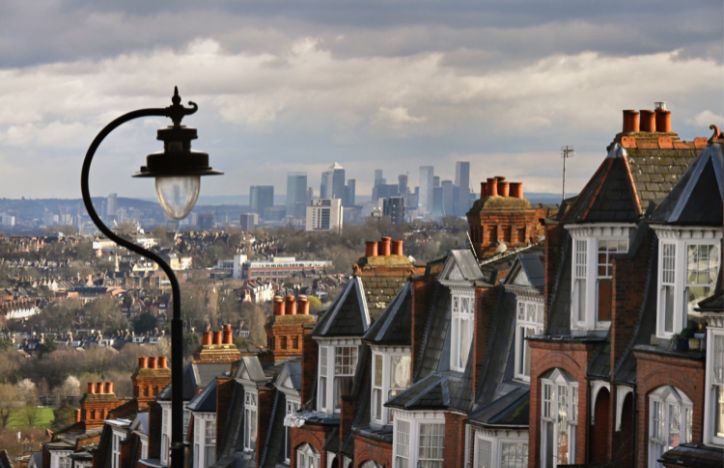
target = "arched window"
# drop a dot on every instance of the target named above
(307, 457)
(559, 418)
(670, 413)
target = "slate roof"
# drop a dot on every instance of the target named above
(437, 321)
(610, 194)
(348, 315)
(5, 460)
(696, 199)
(392, 328)
(531, 264)
(380, 290)
(195, 375)
(230, 440)
(510, 410)
(698, 455)
(468, 264)
(431, 392)
(273, 453)
(205, 401)
(713, 303)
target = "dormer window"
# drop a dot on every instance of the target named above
(687, 273)
(250, 420)
(592, 273)
(337, 364)
(390, 375)
(714, 415)
(529, 322)
(461, 305)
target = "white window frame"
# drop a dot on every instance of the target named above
(291, 406)
(661, 403)
(714, 394)
(60, 458)
(328, 375)
(414, 420)
(462, 307)
(496, 440)
(384, 390)
(681, 238)
(251, 418)
(585, 271)
(557, 387)
(528, 322)
(307, 457)
(116, 439)
(165, 431)
(204, 447)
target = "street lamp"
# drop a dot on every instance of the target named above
(177, 171)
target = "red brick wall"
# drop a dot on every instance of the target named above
(454, 452)
(489, 227)
(264, 409)
(370, 449)
(313, 435)
(309, 368)
(653, 371)
(573, 358)
(555, 234)
(485, 301)
(347, 411)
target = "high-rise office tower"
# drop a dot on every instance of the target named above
(333, 182)
(424, 202)
(379, 177)
(402, 182)
(111, 205)
(350, 192)
(394, 207)
(297, 194)
(448, 198)
(462, 175)
(325, 215)
(261, 197)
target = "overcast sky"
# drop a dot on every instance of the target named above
(295, 85)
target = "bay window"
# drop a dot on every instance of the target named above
(210, 441)
(492, 450)
(670, 413)
(418, 440)
(292, 407)
(307, 457)
(559, 415)
(714, 416)
(204, 439)
(594, 246)
(337, 364)
(390, 375)
(529, 322)
(461, 305)
(688, 266)
(250, 420)
(165, 431)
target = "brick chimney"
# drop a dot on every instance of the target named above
(397, 247)
(371, 249)
(384, 246)
(631, 123)
(149, 381)
(291, 305)
(663, 118)
(648, 121)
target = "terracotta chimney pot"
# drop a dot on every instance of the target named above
(152, 363)
(278, 305)
(163, 362)
(663, 120)
(142, 362)
(77, 415)
(109, 387)
(503, 188)
(397, 247)
(483, 189)
(99, 387)
(291, 305)
(371, 249)
(91, 388)
(631, 123)
(516, 189)
(384, 246)
(303, 305)
(492, 187)
(217, 337)
(648, 121)
(206, 340)
(228, 334)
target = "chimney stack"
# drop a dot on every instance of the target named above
(397, 247)
(504, 188)
(303, 305)
(663, 118)
(217, 337)
(152, 362)
(228, 334)
(630, 121)
(163, 362)
(91, 388)
(278, 305)
(492, 187)
(371, 249)
(648, 121)
(206, 340)
(385, 246)
(516, 189)
(142, 362)
(291, 305)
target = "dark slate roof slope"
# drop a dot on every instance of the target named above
(348, 315)
(206, 400)
(697, 198)
(510, 410)
(393, 326)
(610, 195)
(230, 436)
(437, 320)
(431, 392)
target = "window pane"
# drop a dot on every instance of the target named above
(668, 308)
(719, 411)
(431, 444)
(378, 370)
(399, 371)
(513, 455)
(484, 453)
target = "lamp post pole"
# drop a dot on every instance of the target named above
(175, 112)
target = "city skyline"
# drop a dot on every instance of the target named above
(370, 86)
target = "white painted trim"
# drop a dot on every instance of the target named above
(596, 386)
(709, 396)
(621, 392)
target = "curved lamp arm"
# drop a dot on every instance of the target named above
(175, 112)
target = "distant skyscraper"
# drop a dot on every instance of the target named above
(333, 185)
(448, 198)
(297, 194)
(350, 192)
(424, 202)
(394, 207)
(462, 175)
(248, 221)
(111, 205)
(261, 197)
(205, 221)
(379, 177)
(325, 215)
(402, 186)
